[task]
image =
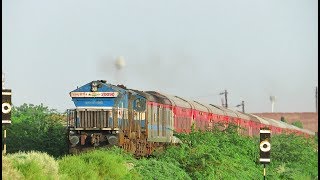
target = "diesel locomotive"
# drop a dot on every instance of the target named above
(141, 121)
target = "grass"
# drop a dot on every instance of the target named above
(203, 155)
(31, 165)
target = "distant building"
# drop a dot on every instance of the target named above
(309, 120)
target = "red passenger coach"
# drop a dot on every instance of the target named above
(200, 115)
(182, 114)
(217, 115)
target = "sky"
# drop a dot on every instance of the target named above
(192, 49)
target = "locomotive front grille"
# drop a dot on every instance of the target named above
(90, 119)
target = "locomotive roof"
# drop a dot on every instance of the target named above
(103, 86)
(146, 95)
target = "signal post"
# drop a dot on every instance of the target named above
(6, 114)
(265, 147)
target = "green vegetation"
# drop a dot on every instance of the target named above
(36, 128)
(297, 124)
(215, 155)
(39, 133)
(203, 155)
(32, 165)
(98, 164)
(294, 157)
(8, 170)
(160, 169)
(226, 155)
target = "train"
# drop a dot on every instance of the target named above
(140, 122)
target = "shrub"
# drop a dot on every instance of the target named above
(297, 124)
(34, 165)
(97, 164)
(294, 156)
(37, 128)
(9, 171)
(227, 155)
(215, 155)
(160, 170)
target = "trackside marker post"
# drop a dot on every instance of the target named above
(265, 147)
(264, 171)
(6, 115)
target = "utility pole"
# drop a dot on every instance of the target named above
(225, 97)
(242, 104)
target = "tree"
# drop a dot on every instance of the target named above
(37, 128)
(298, 124)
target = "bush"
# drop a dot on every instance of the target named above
(294, 156)
(32, 165)
(9, 171)
(297, 124)
(37, 128)
(202, 155)
(215, 155)
(226, 155)
(97, 164)
(160, 170)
